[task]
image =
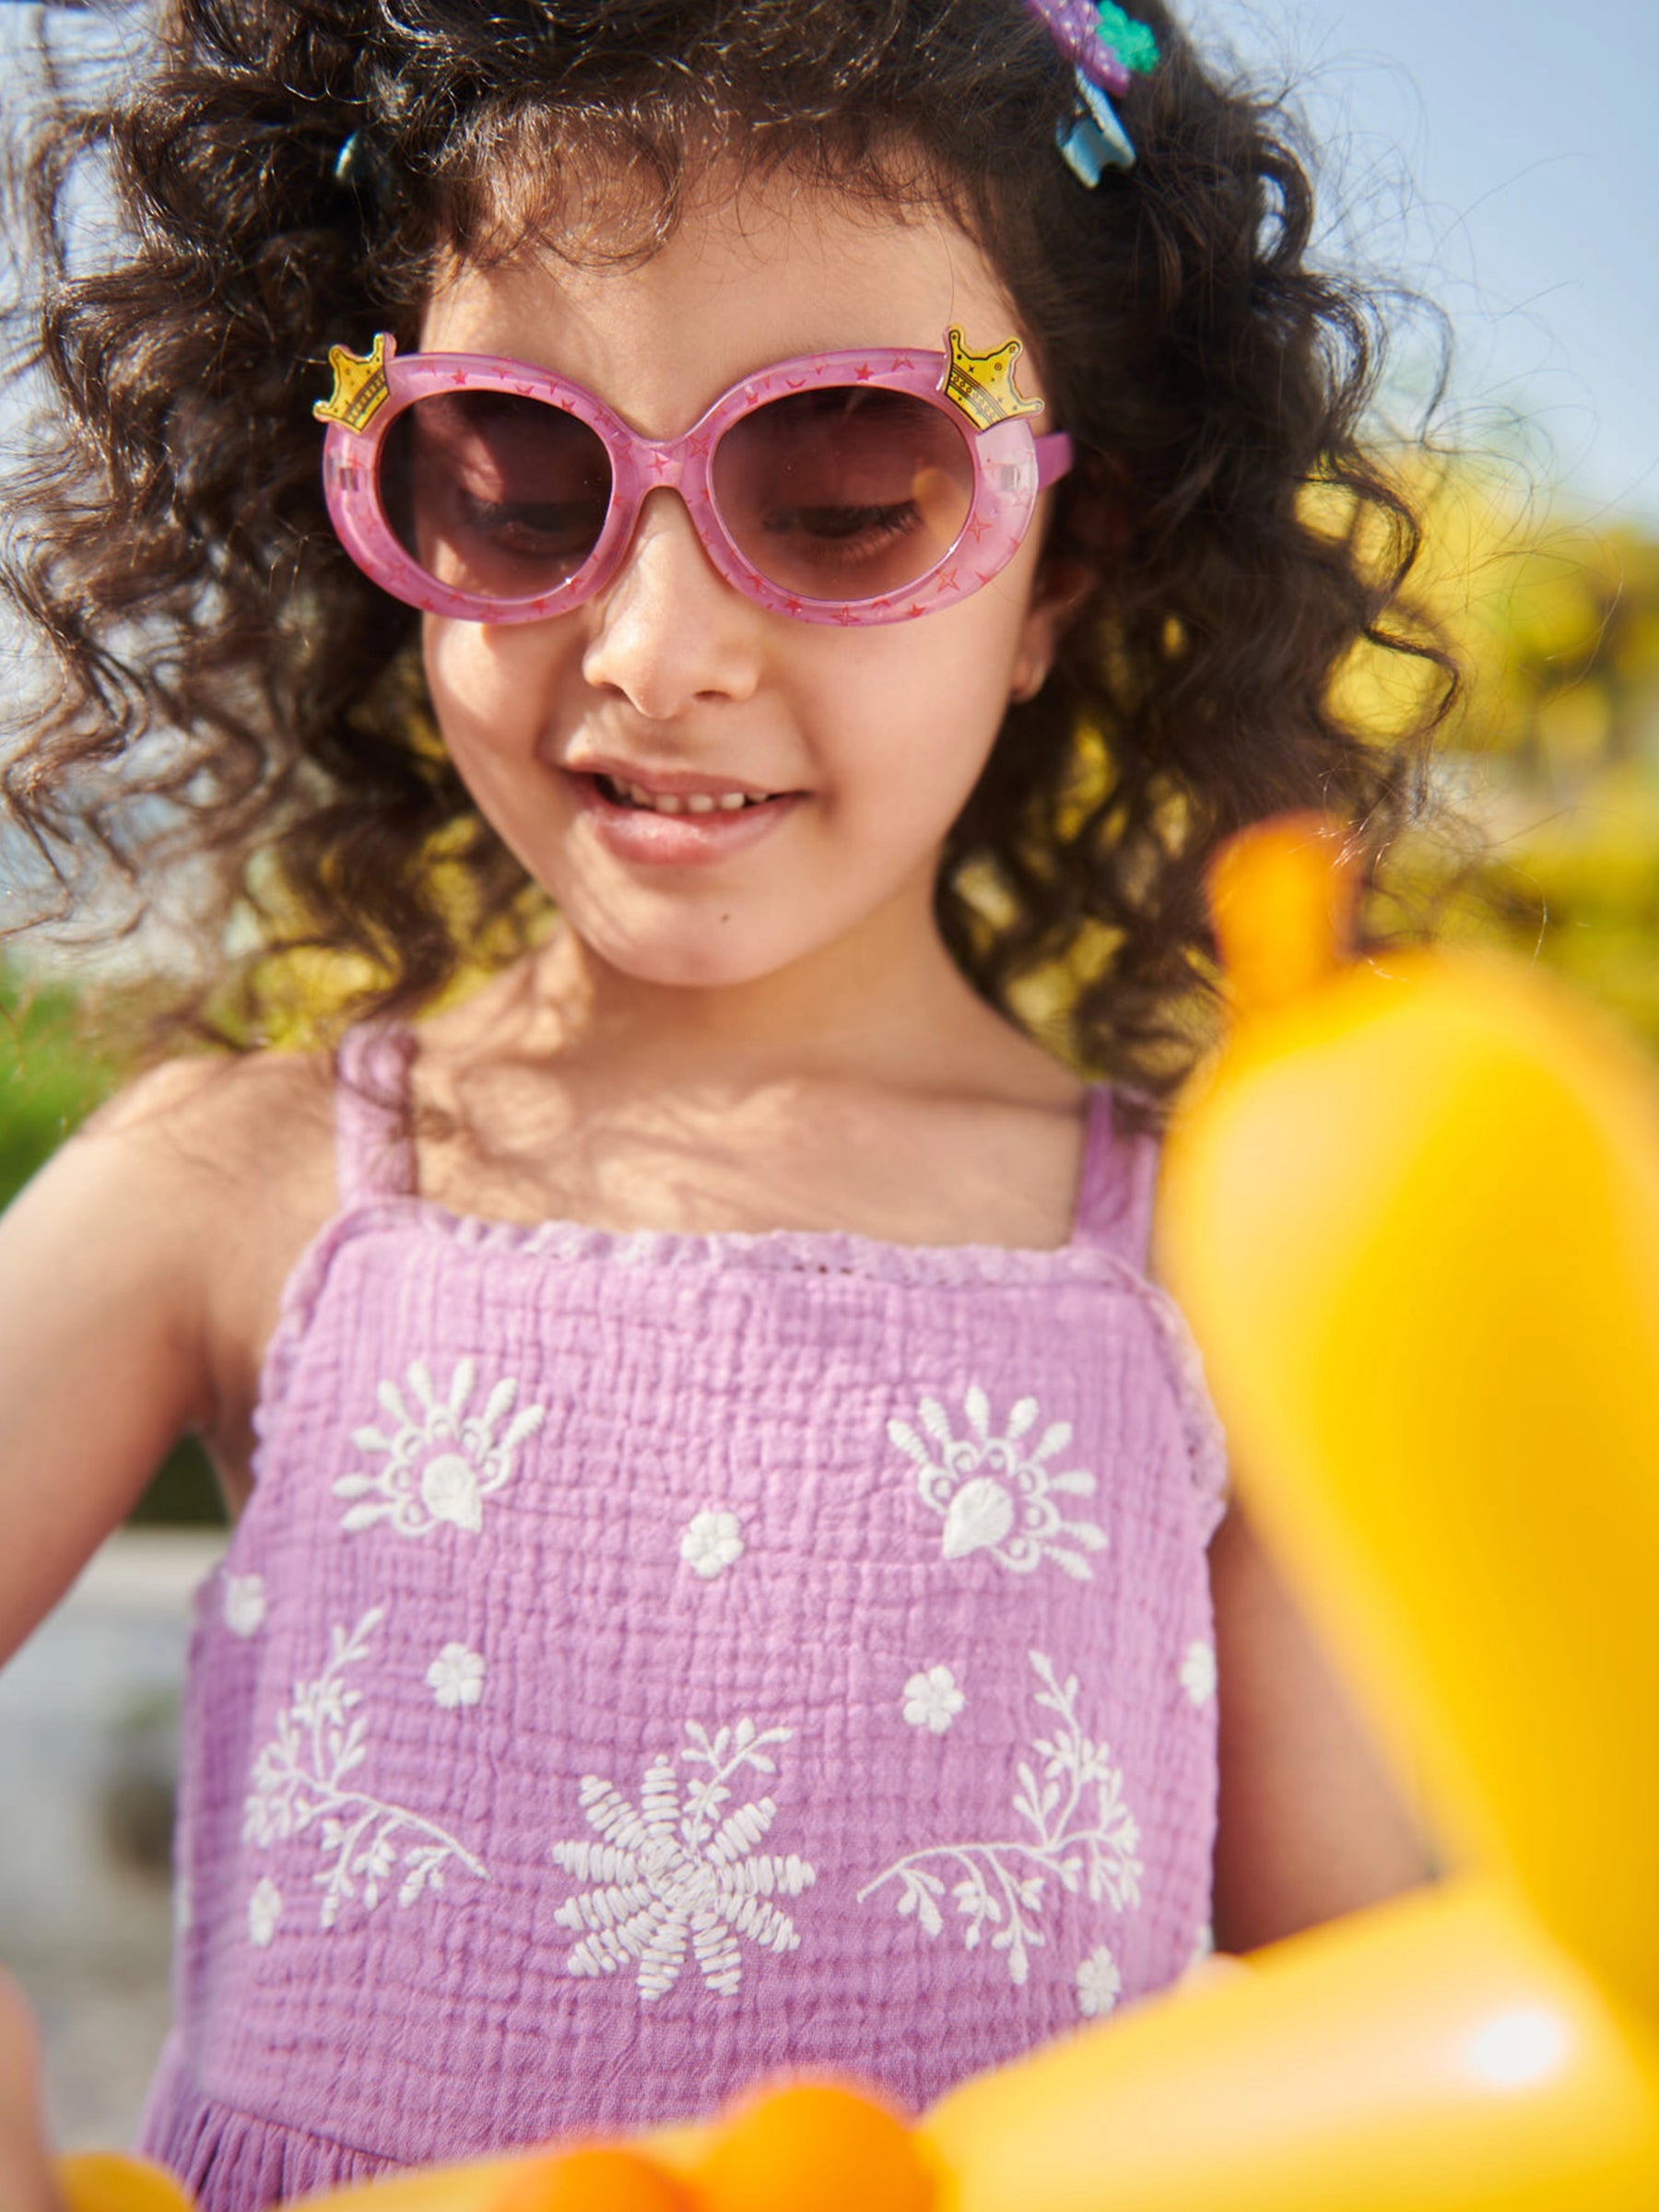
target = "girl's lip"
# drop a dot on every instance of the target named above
(639, 834)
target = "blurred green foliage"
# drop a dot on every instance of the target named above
(51, 1078)
(1554, 750)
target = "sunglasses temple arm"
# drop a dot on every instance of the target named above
(1054, 457)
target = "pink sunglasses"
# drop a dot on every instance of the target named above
(841, 487)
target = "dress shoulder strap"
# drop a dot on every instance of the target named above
(374, 1145)
(1120, 1172)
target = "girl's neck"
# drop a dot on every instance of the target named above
(884, 1004)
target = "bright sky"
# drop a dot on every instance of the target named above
(1527, 127)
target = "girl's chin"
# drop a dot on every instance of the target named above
(723, 965)
(709, 944)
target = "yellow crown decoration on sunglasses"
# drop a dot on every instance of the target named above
(360, 387)
(982, 384)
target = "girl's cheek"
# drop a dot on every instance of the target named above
(503, 676)
(467, 676)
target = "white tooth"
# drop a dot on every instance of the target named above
(639, 795)
(667, 803)
(731, 801)
(700, 802)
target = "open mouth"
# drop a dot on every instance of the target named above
(692, 802)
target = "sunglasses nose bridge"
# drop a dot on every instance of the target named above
(662, 464)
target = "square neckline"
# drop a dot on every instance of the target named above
(376, 1164)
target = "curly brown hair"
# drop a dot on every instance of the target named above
(290, 172)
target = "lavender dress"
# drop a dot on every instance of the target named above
(650, 1661)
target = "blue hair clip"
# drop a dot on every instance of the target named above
(1107, 49)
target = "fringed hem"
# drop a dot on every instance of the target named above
(233, 2161)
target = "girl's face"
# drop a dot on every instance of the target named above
(673, 683)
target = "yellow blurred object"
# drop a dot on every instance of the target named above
(1412, 1218)
(1412, 1212)
(1283, 932)
(599, 2178)
(814, 2146)
(1436, 2054)
(108, 2181)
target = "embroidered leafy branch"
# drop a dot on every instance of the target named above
(299, 1783)
(1087, 1847)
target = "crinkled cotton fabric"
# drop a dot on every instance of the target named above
(650, 1662)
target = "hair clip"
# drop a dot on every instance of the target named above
(1107, 50)
(364, 172)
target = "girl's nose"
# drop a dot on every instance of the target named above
(668, 631)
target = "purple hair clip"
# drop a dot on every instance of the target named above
(1107, 50)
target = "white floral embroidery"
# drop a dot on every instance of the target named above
(713, 1541)
(441, 1466)
(932, 1699)
(994, 1495)
(264, 1910)
(245, 1606)
(456, 1676)
(298, 1783)
(1080, 1845)
(1198, 1671)
(1099, 1984)
(664, 1872)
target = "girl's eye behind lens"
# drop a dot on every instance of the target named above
(847, 534)
(494, 494)
(844, 492)
(519, 530)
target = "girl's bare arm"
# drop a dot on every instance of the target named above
(1311, 1824)
(102, 1340)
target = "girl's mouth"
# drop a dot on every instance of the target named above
(678, 828)
(675, 803)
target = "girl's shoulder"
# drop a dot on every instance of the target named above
(230, 1136)
(236, 1155)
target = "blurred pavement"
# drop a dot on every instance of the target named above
(88, 1730)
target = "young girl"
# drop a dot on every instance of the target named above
(816, 557)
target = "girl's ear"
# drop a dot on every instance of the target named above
(1063, 584)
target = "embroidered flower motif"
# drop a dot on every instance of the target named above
(1085, 1847)
(244, 1604)
(1198, 1671)
(299, 1783)
(456, 1676)
(713, 1541)
(264, 1910)
(993, 1494)
(932, 1699)
(1099, 1983)
(441, 1462)
(671, 1873)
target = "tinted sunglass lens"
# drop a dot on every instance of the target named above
(846, 492)
(494, 494)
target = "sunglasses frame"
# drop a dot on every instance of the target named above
(976, 391)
